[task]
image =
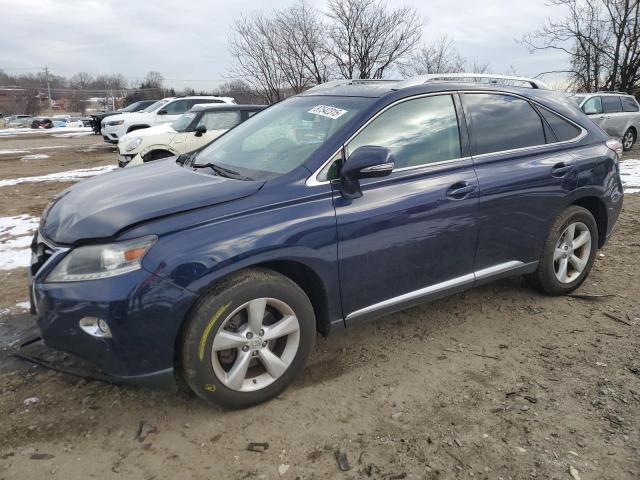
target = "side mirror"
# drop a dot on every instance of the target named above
(365, 162)
(162, 112)
(200, 130)
(589, 110)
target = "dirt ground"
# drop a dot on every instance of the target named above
(496, 383)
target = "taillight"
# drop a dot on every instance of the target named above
(615, 145)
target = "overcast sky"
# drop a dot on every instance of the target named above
(187, 41)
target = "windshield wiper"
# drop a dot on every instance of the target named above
(223, 172)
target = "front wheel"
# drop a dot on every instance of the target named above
(568, 253)
(628, 140)
(248, 339)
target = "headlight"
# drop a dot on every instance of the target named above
(133, 144)
(117, 122)
(92, 262)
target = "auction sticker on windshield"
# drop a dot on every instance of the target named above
(326, 111)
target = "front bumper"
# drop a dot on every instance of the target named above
(144, 313)
(113, 133)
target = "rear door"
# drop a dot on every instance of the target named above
(412, 234)
(524, 172)
(615, 120)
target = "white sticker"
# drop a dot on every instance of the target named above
(326, 111)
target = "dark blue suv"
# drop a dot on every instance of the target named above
(350, 201)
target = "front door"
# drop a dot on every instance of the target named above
(412, 235)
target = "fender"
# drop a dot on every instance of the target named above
(137, 127)
(151, 148)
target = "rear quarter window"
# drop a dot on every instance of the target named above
(562, 129)
(629, 104)
(502, 122)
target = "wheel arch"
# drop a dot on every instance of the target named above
(598, 209)
(137, 127)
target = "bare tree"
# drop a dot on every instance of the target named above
(602, 39)
(440, 56)
(253, 44)
(366, 39)
(301, 36)
(81, 80)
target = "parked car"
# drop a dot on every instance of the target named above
(193, 130)
(166, 110)
(617, 113)
(349, 201)
(134, 107)
(18, 121)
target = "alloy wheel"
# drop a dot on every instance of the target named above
(255, 344)
(572, 252)
(627, 140)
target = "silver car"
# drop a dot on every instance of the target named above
(617, 113)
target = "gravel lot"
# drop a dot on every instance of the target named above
(496, 383)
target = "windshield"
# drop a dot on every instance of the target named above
(154, 106)
(181, 124)
(132, 107)
(282, 137)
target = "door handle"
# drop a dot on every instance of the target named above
(460, 190)
(560, 169)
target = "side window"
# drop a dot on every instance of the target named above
(502, 122)
(611, 104)
(563, 129)
(220, 120)
(592, 106)
(177, 108)
(629, 104)
(418, 132)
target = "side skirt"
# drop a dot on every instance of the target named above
(443, 289)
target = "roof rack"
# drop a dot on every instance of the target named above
(615, 92)
(473, 77)
(354, 81)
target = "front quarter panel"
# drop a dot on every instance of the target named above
(218, 241)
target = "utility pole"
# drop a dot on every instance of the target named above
(46, 72)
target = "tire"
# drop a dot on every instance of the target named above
(549, 276)
(222, 316)
(156, 155)
(628, 140)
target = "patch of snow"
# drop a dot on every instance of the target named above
(73, 135)
(36, 156)
(630, 175)
(4, 132)
(11, 152)
(59, 176)
(15, 239)
(23, 305)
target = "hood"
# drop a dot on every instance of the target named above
(129, 116)
(104, 205)
(146, 133)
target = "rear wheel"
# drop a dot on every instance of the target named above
(628, 140)
(568, 253)
(248, 339)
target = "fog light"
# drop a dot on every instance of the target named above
(96, 327)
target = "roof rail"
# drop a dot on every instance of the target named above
(473, 77)
(615, 92)
(354, 81)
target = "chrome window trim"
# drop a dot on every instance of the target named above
(469, 278)
(312, 180)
